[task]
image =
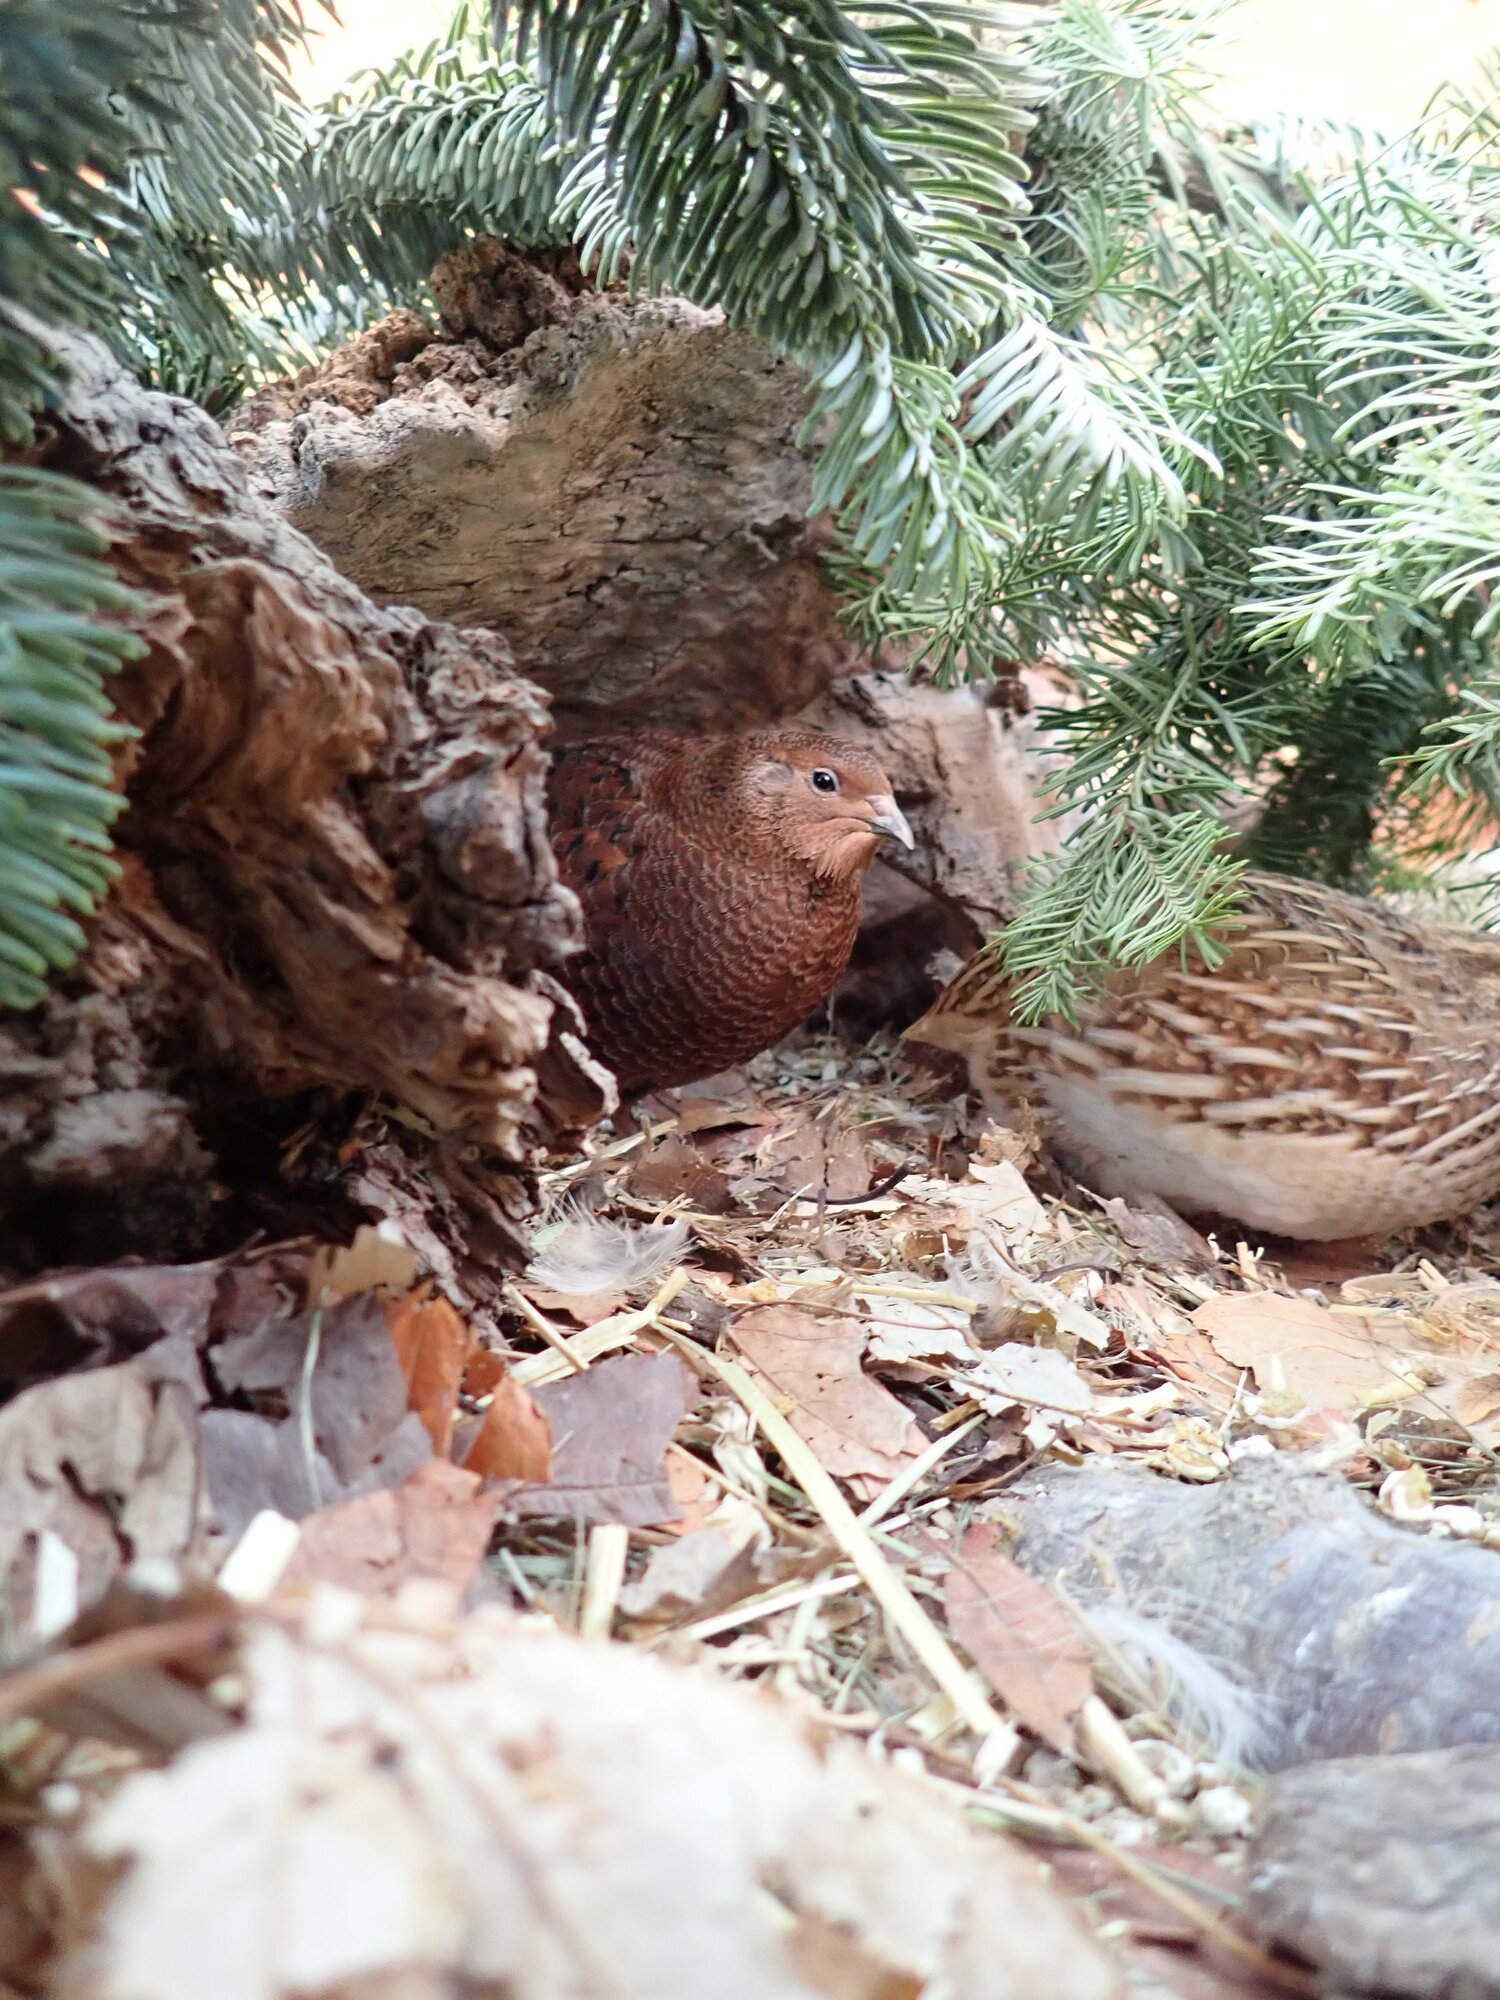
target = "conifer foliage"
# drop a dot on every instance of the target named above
(139, 149)
(1214, 424)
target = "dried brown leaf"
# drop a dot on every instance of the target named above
(1019, 1635)
(358, 1395)
(672, 1170)
(822, 1158)
(695, 1576)
(586, 1308)
(52, 1323)
(692, 1490)
(432, 1344)
(107, 1459)
(610, 1427)
(379, 1258)
(1161, 1237)
(811, 1364)
(437, 1524)
(1330, 1359)
(514, 1440)
(1478, 1399)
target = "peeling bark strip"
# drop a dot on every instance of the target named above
(336, 864)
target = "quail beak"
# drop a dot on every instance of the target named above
(887, 817)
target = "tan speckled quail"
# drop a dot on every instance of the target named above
(1338, 1075)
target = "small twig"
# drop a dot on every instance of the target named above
(792, 1529)
(616, 1150)
(28, 1689)
(1209, 1924)
(755, 1608)
(875, 1193)
(907, 1481)
(540, 1324)
(1102, 1737)
(790, 1672)
(520, 1579)
(619, 1330)
(306, 1436)
(918, 1294)
(603, 1573)
(890, 1590)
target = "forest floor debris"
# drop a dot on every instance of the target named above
(785, 1347)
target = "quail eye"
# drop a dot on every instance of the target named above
(824, 781)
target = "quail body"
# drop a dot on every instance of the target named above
(720, 884)
(1337, 1075)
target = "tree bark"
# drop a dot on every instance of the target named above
(615, 484)
(335, 866)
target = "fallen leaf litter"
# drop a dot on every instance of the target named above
(780, 1354)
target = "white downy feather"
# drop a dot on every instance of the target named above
(1231, 1723)
(579, 1252)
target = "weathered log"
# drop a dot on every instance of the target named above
(335, 865)
(615, 484)
(1352, 1636)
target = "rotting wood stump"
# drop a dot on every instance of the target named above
(335, 870)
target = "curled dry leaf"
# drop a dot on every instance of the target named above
(51, 1323)
(1020, 1635)
(1015, 1373)
(379, 1259)
(494, 1806)
(915, 1330)
(995, 1194)
(358, 1396)
(1478, 1399)
(673, 1170)
(693, 1493)
(514, 1438)
(439, 1356)
(821, 1159)
(811, 1364)
(1161, 1236)
(700, 1573)
(107, 1461)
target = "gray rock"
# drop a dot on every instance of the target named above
(1353, 1636)
(1384, 1872)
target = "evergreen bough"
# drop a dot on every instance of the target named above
(1214, 424)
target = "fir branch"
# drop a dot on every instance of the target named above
(1133, 883)
(88, 97)
(844, 186)
(59, 639)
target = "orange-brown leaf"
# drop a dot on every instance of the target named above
(856, 1428)
(435, 1524)
(1018, 1633)
(515, 1440)
(431, 1344)
(1331, 1359)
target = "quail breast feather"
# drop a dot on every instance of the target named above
(1337, 1075)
